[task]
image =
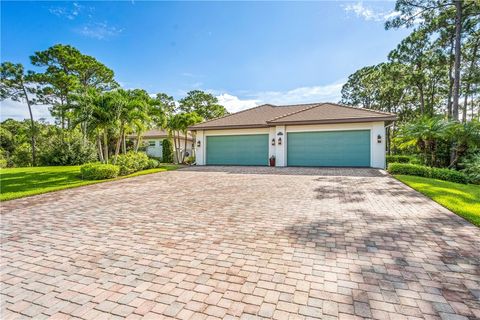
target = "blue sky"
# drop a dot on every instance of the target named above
(246, 53)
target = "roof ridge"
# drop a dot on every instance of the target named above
(357, 108)
(295, 112)
(231, 114)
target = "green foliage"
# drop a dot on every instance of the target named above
(3, 159)
(167, 151)
(189, 160)
(99, 171)
(152, 163)
(132, 162)
(22, 156)
(67, 151)
(472, 168)
(428, 172)
(202, 103)
(409, 169)
(397, 159)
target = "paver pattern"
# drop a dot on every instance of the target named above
(216, 242)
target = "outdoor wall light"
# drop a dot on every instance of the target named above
(280, 141)
(273, 141)
(198, 143)
(379, 139)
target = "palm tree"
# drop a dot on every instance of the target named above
(466, 136)
(425, 133)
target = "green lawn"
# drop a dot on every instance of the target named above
(21, 182)
(463, 199)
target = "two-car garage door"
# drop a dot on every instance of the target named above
(320, 148)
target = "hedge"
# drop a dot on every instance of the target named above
(427, 172)
(99, 171)
(167, 151)
(132, 162)
(398, 159)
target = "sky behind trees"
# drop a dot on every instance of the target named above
(244, 53)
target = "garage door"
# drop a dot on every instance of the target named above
(244, 150)
(329, 148)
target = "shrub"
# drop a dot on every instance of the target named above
(72, 150)
(189, 160)
(3, 159)
(427, 172)
(472, 168)
(167, 151)
(409, 169)
(132, 162)
(99, 171)
(398, 159)
(448, 175)
(22, 156)
(152, 163)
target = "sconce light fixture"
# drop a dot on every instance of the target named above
(279, 141)
(198, 143)
(273, 141)
(379, 139)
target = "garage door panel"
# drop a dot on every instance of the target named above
(329, 148)
(238, 150)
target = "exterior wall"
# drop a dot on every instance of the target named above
(377, 150)
(156, 151)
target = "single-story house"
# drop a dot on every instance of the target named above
(154, 139)
(316, 134)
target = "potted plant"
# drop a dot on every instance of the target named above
(272, 161)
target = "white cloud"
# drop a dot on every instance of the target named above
(70, 12)
(325, 93)
(234, 103)
(99, 30)
(19, 111)
(369, 14)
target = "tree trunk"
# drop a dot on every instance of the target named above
(470, 73)
(100, 149)
(105, 146)
(137, 144)
(124, 143)
(458, 52)
(422, 99)
(450, 80)
(32, 124)
(184, 147)
(119, 142)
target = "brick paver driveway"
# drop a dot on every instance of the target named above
(239, 242)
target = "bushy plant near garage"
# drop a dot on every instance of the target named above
(428, 172)
(99, 171)
(132, 162)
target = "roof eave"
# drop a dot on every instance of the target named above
(330, 121)
(245, 126)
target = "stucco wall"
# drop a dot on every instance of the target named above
(156, 151)
(377, 150)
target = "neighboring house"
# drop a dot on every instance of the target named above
(153, 139)
(317, 134)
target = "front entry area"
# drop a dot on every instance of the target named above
(245, 150)
(329, 148)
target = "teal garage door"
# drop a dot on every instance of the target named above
(241, 150)
(329, 148)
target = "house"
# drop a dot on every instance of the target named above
(154, 138)
(316, 134)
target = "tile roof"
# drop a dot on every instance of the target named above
(154, 133)
(269, 115)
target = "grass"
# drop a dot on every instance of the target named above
(463, 199)
(22, 182)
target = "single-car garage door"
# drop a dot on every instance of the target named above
(329, 148)
(244, 150)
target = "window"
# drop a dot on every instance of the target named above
(151, 143)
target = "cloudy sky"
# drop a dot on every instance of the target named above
(245, 53)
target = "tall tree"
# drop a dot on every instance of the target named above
(204, 104)
(16, 85)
